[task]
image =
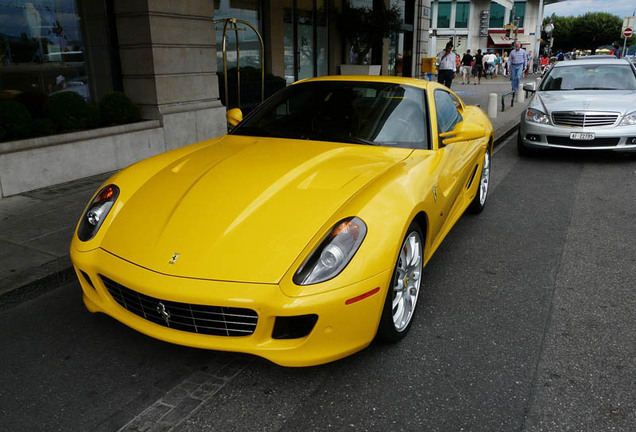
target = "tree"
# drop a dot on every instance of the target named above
(594, 29)
(563, 33)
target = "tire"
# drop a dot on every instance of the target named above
(401, 299)
(479, 202)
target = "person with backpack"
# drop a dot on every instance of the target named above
(478, 66)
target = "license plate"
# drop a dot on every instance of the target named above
(585, 136)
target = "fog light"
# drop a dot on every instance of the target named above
(632, 140)
(531, 137)
(294, 327)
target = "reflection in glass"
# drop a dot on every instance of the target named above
(249, 11)
(369, 113)
(497, 15)
(41, 48)
(461, 15)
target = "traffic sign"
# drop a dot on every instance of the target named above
(628, 32)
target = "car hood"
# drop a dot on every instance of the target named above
(241, 208)
(621, 101)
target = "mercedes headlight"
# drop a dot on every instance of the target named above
(535, 116)
(629, 119)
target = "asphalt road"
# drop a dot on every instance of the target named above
(526, 323)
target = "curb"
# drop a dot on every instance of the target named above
(47, 279)
(506, 135)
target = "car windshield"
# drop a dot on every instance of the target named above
(590, 77)
(369, 113)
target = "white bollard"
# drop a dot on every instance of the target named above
(521, 95)
(538, 81)
(492, 105)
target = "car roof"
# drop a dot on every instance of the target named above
(374, 78)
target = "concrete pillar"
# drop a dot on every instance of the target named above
(168, 63)
(521, 94)
(274, 38)
(95, 32)
(492, 105)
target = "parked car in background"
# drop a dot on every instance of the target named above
(587, 104)
(299, 236)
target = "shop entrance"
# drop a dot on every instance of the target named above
(306, 36)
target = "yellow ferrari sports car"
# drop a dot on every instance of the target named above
(301, 235)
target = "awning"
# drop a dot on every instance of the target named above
(502, 39)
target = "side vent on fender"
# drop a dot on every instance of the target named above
(472, 177)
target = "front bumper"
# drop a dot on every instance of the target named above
(614, 138)
(340, 330)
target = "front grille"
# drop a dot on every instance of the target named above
(193, 318)
(597, 142)
(583, 119)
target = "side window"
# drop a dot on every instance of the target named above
(447, 114)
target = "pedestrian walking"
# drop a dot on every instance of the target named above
(504, 63)
(498, 68)
(466, 63)
(518, 64)
(446, 65)
(457, 61)
(478, 66)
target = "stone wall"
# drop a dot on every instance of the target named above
(35, 163)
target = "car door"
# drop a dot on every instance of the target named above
(452, 160)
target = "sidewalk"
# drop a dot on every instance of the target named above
(36, 227)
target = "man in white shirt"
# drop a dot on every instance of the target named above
(446, 65)
(489, 59)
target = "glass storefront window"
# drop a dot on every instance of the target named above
(42, 49)
(306, 37)
(461, 15)
(246, 10)
(520, 12)
(497, 15)
(443, 14)
(396, 44)
(361, 4)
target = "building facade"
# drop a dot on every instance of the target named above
(489, 25)
(171, 58)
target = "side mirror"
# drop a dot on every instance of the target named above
(463, 131)
(234, 117)
(530, 87)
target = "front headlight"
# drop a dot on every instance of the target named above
(96, 212)
(535, 116)
(629, 119)
(333, 254)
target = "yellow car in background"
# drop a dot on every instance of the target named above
(302, 234)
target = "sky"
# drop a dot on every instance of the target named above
(622, 8)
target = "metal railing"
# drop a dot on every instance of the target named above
(503, 100)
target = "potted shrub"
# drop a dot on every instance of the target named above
(365, 29)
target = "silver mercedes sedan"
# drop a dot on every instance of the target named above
(586, 104)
